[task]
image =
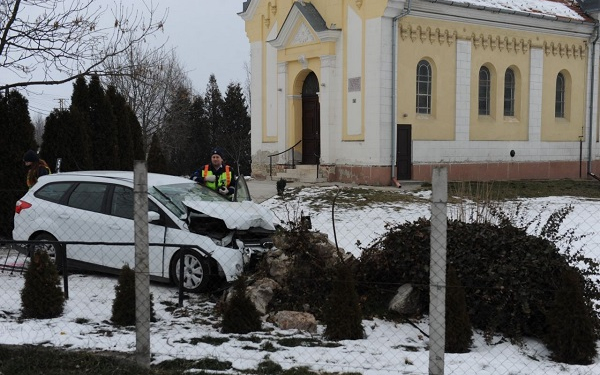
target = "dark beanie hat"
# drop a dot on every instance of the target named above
(218, 151)
(31, 156)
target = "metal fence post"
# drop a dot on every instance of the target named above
(437, 271)
(142, 268)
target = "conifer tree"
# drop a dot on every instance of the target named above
(17, 136)
(237, 125)
(240, 314)
(105, 152)
(80, 155)
(42, 297)
(200, 135)
(178, 143)
(81, 97)
(55, 140)
(571, 333)
(156, 159)
(458, 326)
(123, 128)
(123, 309)
(213, 101)
(342, 315)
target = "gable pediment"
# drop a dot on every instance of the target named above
(304, 25)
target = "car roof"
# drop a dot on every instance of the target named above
(154, 179)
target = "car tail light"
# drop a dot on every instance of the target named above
(21, 205)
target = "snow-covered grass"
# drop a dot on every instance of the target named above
(192, 331)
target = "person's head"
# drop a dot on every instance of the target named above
(30, 157)
(216, 157)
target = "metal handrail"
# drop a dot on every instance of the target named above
(279, 153)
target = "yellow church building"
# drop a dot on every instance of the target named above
(370, 91)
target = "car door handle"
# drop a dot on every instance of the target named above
(64, 216)
(114, 227)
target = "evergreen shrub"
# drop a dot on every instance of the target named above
(342, 316)
(42, 297)
(309, 277)
(458, 325)
(124, 309)
(571, 337)
(509, 276)
(239, 313)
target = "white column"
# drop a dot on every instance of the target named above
(282, 109)
(463, 89)
(536, 75)
(326, 85)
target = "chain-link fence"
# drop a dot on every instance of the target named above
(179, 313)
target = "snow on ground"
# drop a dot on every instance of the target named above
(388, 348)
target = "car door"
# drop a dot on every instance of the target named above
(81, 219)
(242, 193)
(121, 228)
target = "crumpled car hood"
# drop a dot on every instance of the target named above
(236, 215)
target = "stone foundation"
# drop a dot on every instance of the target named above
(381, 175)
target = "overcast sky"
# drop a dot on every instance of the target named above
(209, 37)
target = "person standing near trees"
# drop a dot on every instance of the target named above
(217, 175)
(36, 167)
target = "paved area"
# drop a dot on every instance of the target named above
(261, 190)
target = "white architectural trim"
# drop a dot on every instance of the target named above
(285, 35)
(282, 73)
(536, 77)
(463, 90)
(250, 11)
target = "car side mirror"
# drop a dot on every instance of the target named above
(153, 216)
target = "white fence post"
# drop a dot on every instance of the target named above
(437, 271)
(142, 273)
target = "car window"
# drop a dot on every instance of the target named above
(122, 203)
(172, 196)
(88, 196)
(242, 193)
(53, 192)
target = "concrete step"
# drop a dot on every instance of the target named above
(302, 173)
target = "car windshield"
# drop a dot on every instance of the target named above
(172, 196)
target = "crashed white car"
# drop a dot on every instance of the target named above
(90, 215)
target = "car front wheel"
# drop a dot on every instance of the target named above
(197, 275)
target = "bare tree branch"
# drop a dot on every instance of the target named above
(50, 42)
(149, 79)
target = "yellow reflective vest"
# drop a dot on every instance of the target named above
(224, 179)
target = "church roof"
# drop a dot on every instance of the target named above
(551, 9)
(566, 10)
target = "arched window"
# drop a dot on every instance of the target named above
(559, 103)
(424, 87)
(509, 93)
(485, 82)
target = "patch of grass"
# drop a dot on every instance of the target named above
(203, 364)
(268, 347)
(297, 341)
(361, 196)
(350, 197)
(252, 338)
(505, 190)
(215, 341)
(30, 360)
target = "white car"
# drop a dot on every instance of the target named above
(91, 213)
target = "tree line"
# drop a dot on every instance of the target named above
(101, 131)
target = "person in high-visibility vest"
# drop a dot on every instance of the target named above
(217, 175)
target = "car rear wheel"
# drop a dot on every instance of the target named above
(54, 250)
(197, 275)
